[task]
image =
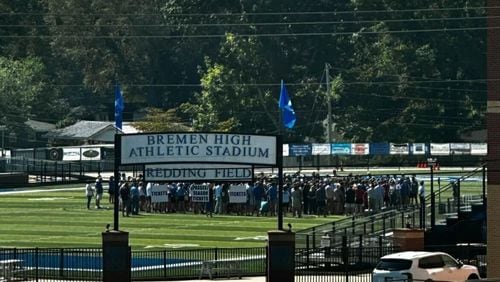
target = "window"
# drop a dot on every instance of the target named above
(431, 262)
(448, 261)
(394, 264)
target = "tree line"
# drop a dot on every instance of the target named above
(404, 71)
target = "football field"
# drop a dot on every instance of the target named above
(57, 216)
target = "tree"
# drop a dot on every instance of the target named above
(21, 84)
(159, 120)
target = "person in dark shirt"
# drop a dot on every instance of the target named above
(350, 201)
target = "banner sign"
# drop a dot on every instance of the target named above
(440, 149)
(199, 193)
(360, 149)
(182, 172)
(285, 150)
(480, 149)
(237, 194)
(300, 150)
(321, 149)
(81, 153)
(460, 148)
(419, 149)
(198, 148)
(71, 154)
(341, 149)
(400, 148)
(159, 194)
(379, 149)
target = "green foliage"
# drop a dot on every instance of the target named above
(396, 75)
(158, 120)
(21, 85)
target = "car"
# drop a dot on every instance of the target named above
(422, 266)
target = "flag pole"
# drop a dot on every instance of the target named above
(280, 166)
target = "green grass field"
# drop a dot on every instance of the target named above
(61, 219)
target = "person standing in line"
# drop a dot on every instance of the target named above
(111, 190)
(149, 194)
(272, 198)
(258, 194)
(99, 190)
(134, 198)
(296, 201)
(125, 198)
(421, 195)
(142, 196)
(218, 199)
(329, 193)
(286, 199)
(89, 192)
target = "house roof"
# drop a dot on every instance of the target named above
(90, 130)
(40, 126)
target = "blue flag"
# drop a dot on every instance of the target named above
(119, 106)
(286, 108)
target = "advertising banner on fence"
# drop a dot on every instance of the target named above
(183, 172)
(199, 193)
(198, 148)
(237, 194)
(479, 149)
(286, 149)
(440, 149)
(360, 149)
(297, 150)
(159, 194)
(400, 148)
(419, 149)
(460, 148)
(341, 149)
(379, 149)
(321, 149)
(71, 154)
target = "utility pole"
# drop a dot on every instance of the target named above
(329, 101)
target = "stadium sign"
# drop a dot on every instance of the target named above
(184, 172)
(198, 148)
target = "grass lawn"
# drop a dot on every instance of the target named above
(61, 219)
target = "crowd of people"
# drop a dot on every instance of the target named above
(315, 195)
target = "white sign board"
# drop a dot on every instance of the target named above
(159, 194)
(199, 193)
(91, 154)
(460, 148)
(360, 149)
(71, 154)
(237, 194)
(198, 148)
(321, 149)
(480, 149)
(183, 172)
(418, 148)
(440, 149)
(399, 148)
(286, 150)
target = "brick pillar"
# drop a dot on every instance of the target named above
(493, 124)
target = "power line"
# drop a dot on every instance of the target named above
(205, 36)
(249, 24)
(229, 14)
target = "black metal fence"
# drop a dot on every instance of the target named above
(338, 263)
(368, 229)
(51, 264)
(86, 264)
(198, 263)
